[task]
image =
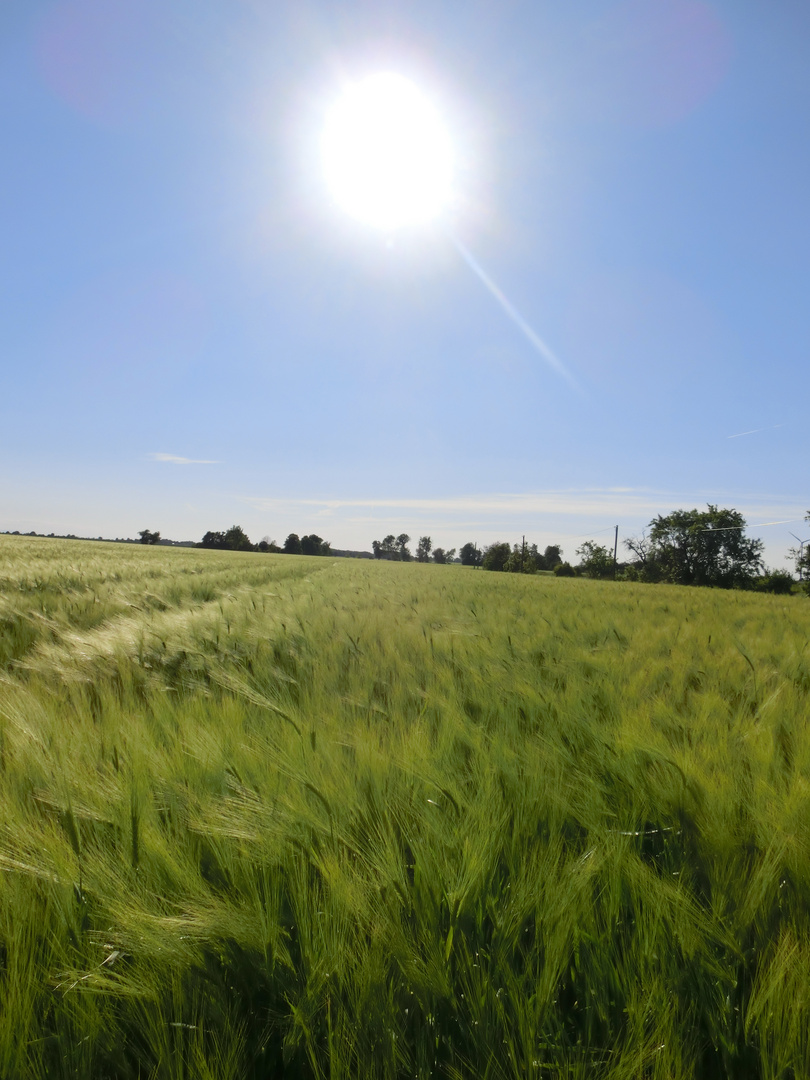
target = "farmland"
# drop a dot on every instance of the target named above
(277, 816)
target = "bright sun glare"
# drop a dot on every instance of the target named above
(386, 153)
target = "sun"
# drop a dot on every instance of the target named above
(386, 154)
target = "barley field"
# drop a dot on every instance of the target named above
(287, 817)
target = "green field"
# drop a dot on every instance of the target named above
(270, 816)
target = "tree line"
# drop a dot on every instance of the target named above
(395, 548)
(684, 547)
(236, 539)
(498, 556)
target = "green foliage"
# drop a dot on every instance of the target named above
(690, 547)
(520, 560)
(496, 556)
(234, 539)
(393, 548)
(237, 540)
(213, 540)
(292, 545)
(595, 560)
(442, 556)
(564, 570)
(148, 537)
(552, 557)
(471, 555)
(386, 549)
(304, 818)
(776, 581)
(526, 559)
(423, 549)
(314, 545)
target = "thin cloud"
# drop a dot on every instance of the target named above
(174, 459)
(578, 502)
(553, 502)
(614, 503)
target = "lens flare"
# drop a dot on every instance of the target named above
(509, 308)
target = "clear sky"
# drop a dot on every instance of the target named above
(193, 334)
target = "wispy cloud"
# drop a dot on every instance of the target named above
(174, 459)
(579, 502)
(590, 505)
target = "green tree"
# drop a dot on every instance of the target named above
(470, 555)
(552, 557)
(693, 547)
(496, 556)
(595, 560)
(402, 545)
(215, 540)
(236, 539)
(292, 545)
(525, 559)
(148, 537)
(520, 560)
(423, 549)
(442, 555)
(314, 545)
(388, 548)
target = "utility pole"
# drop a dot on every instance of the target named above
(615, 549)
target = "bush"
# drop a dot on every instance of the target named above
(775, 581)
(564, 569)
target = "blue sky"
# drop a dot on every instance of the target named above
(193, 335)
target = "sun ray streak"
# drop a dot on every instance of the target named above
(553, 361)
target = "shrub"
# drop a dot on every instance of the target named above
(775, 581)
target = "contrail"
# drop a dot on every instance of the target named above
(553, 362)
(757, 525)
(754, 431)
